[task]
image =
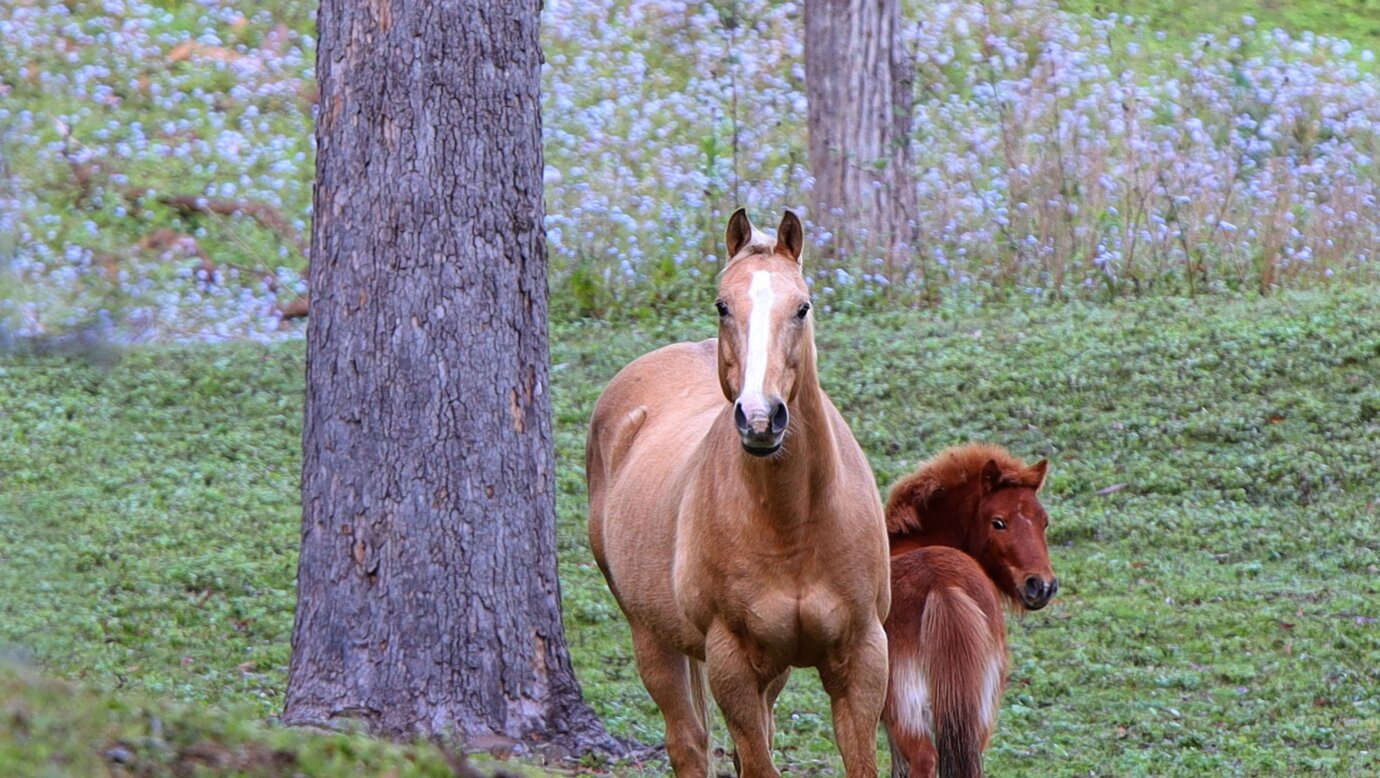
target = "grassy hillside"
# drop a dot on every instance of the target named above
(1355, 20)
(1214, 497)
(51, 728)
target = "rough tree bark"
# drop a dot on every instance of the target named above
(858, 83)
(427, 593)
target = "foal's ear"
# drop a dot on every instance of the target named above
(1037, 473)
(991, 476)
(790, 236)
(739, 232)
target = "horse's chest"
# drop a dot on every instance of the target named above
(790, 616)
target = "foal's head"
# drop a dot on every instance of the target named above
(984, 502)
(1008, 533)
(765, 338)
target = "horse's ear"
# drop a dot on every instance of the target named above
(739, 232)
(1037, 472)
(991, 476)
(790, 236)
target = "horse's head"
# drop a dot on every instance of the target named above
(1008, 533)
(765, 337)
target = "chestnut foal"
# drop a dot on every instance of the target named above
(966, 529)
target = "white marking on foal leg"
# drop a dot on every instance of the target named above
(991, 691)
(911, 695)
(759, 340)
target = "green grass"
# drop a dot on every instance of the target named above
(50, 728)
(1355, 20)
(1217, 615)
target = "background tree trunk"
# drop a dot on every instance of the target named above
(427, 591)
(858, 82)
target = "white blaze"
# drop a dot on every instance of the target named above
(759, 339)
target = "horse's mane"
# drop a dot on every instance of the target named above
(760, 244)
(954, 471)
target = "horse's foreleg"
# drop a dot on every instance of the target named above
(739, 682)
(773, 691)
(666, 674)
(856, 682)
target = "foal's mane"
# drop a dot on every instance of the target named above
(954, 473)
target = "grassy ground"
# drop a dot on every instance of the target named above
(1356, 20)
(1217, 612)
(51, 728)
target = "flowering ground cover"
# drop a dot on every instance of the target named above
(1213, 500)
(156, 158)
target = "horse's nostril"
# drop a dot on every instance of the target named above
(779, 419)
(740, 418)
(1034, 587)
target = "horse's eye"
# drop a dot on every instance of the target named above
(998, 523)
(723, 309)
(801, 313)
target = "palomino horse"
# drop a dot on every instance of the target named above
(966, 529)
(737, 521)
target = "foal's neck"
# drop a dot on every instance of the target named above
(945, 522)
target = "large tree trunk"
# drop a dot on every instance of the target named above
(858, 82)
(427, 593)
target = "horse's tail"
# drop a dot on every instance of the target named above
(963, 660)
(699, 698)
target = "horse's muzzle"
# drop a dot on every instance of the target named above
(763, 433)
(1037, 592)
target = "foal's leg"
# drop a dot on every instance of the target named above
(855, 678)
(666, 674)
(739, 680)
(912, 754)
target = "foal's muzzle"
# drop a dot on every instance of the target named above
(762, 429)
(1037, 592)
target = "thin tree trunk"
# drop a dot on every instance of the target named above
(858, 82)
(427, 593)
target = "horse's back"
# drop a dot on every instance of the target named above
(917, 573)
(657, 392)
(646, 425)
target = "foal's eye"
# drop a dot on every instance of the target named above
(998, 524)
(723, 309)
(803, 310)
